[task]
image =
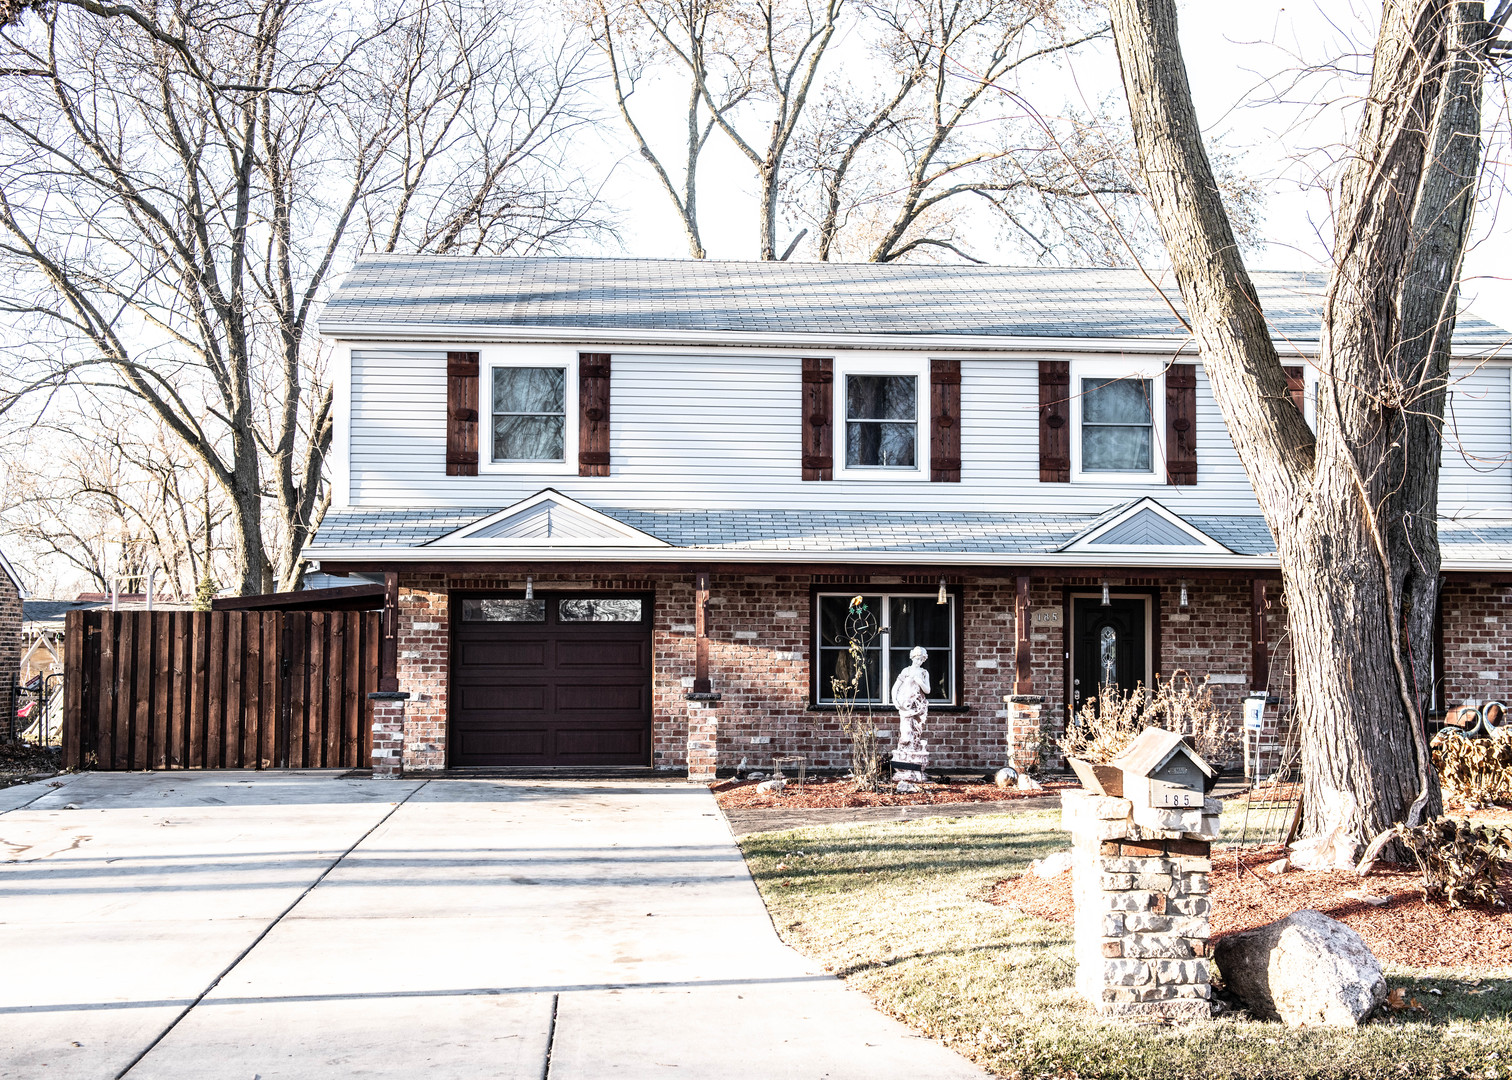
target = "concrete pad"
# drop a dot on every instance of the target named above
(482, 928)
(18, 795)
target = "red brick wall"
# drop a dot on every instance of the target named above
(759, 628)
(1477, 643)
(10, 650)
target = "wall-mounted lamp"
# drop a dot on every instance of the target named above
(944, 597)
(1107, 601)
(1183, 594)
(529, 587)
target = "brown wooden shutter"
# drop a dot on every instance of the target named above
(1055, 421)
(461, 414)
(818, 427)
(945, 421)
(593, 407)
(1181, 424)
(1296, 386)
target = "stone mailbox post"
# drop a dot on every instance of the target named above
(1140, 867)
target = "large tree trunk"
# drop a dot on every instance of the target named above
(1353, 510)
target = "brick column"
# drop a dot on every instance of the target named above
(1141, 906)
(388, 733)
(703, 737)
(1023, 735)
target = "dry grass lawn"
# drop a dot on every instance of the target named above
(895, 909)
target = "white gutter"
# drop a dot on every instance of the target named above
(463, 333)
(678, 556)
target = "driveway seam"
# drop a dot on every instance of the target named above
(134, 1062)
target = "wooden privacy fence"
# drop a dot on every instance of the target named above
(219, 689)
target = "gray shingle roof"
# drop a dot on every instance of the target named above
(835, 532)
(646, 295)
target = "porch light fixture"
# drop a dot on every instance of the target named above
(1107, 601)
(1183, 594)
(529, 587)
(943, 597)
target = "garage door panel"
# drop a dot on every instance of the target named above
(558, 692)
(585, 743)
(527, 654)
(601, 654)
(514, 742)
(612, 697)
(502, 696)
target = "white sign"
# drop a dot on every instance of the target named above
(1046, 617)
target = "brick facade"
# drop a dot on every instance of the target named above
(759, 630)
(10, 650)
(1477, 635)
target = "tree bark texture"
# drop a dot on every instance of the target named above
(1352, 508)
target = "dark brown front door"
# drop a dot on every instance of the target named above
(559, 679)
(1107, 645)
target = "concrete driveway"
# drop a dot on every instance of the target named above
(206, 925)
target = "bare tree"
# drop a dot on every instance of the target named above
(179, 182)
(1353, 507)
(902, 162)
(633, 38)
(118, 506)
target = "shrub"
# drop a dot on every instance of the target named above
(852, 680)
(1476, 769)
(1109, 722)
(1460, 861)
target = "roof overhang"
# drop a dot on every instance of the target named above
(467, 333)
(10, 571)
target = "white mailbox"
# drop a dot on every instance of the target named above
(1162, 771)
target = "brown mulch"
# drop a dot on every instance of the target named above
(1407, 930)
(828, 792)
(20, 762)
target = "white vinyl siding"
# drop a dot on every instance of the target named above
(1476, 475)
(722, 432)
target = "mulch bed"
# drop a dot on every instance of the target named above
(22, 761)
(828, 792)
(1407, 930)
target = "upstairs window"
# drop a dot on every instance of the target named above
(881, 421)
(1118, 425)
(529, 414)
(1118, 422)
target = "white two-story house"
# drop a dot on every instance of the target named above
(621, 505)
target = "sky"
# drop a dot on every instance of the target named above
(1237, 55)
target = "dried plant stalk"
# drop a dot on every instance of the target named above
(1460, 861)
(1109, 722)
(1476, 769)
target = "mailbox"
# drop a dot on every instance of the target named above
(1162, 771)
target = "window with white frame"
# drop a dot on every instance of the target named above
(1118, 416)
(529, 414)
(903, 621)
(528, 404)
(882, 424)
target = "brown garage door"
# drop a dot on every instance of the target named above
(560, 679)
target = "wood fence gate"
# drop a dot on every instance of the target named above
(219, 689)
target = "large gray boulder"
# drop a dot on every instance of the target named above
(1307, 970)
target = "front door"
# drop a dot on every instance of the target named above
(1108, 645)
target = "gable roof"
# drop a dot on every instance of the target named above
(10, 571)
(548, 519)
(1143, 525)
(678, 299)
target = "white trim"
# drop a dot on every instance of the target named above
(583, 552)
(517, 356)
(886, 592)
(625, 535)
(1149, 636)
(1087, 540)
(1166, 345)
(10, 572)
(911, 364)
(1119, 369)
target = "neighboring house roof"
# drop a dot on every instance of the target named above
(50, 612)
(431, 295)
(10, 571)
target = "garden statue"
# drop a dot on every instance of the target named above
(910, 696)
